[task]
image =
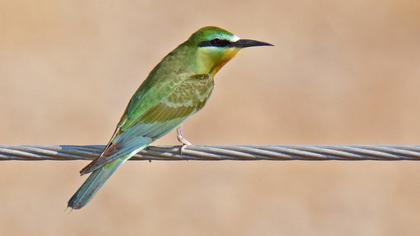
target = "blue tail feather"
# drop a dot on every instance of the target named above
(92, 184)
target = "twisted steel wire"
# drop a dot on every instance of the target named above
(239, 152)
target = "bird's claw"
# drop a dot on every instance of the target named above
(182, 148)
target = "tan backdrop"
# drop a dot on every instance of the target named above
(342, 72)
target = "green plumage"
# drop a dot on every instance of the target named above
(175, 89)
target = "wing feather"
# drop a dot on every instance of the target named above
(139, 126)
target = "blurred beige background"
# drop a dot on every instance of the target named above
(342, 72)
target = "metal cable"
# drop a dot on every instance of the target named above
(239, 152)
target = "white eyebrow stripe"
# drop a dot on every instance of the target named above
(235, 38)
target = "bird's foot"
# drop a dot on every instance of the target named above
(182, 140)
(182, 148)
(180, 137)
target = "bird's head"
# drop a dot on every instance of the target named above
(216, 46)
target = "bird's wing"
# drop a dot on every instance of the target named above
(150, 118)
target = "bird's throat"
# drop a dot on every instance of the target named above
(210, 62)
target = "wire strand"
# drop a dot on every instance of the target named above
(215, 153)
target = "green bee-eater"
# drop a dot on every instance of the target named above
(175, 89)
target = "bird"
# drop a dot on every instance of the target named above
(177, 88)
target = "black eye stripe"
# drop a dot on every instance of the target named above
(215, 43)
(219, 42)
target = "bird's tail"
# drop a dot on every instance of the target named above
(93, 183)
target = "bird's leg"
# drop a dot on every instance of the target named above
(180, 137)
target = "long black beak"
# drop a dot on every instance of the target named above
(245, 43)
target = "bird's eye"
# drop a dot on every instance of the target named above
(219, 43)
(215, 43)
